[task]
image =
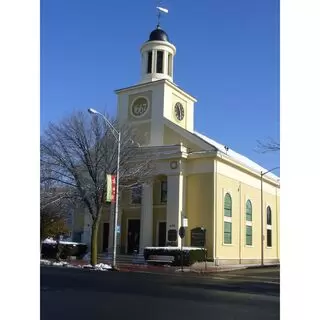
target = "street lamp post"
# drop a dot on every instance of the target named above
(117, 135)
(262, 211)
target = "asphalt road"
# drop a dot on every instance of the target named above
(93, 295)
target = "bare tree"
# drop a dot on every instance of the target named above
(76, 156)
(270, 145)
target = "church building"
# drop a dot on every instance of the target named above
(198, 182)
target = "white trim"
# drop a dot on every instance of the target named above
(157, 231)
(227, 219)
(269, 227)
(227, 244)
(249, 223)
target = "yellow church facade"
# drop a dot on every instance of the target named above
(196, 179)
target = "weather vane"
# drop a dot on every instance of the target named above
(160, 10)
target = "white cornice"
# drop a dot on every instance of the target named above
(152, 83)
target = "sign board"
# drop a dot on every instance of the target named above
(118, 229)
(172, 235)
(185, 222)
(182, 232)
(198, 237)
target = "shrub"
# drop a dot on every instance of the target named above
(190, 255)
(68, 249)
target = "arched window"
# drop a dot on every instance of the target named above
(227, 239)
(269, 216)
(227, 205)
(248, 211)
(269, 227)
(248, 223)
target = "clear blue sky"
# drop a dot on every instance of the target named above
(227, 57)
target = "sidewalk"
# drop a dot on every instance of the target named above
(197, 268)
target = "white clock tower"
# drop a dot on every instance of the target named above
(156, 99)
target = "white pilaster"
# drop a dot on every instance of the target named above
(146, 218)
(175, 204)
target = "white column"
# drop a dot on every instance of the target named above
(154, 62)
(146, 217)
(144, 61)
(165, 62)
(171, 65)
(175, 205)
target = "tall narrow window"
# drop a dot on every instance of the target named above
(149, 67)
(269, 227)
(227, 238)
(163, 191)
(170, 64)
(136, 194)
(248, 223)
(159, 61)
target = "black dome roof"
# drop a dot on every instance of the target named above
(158, 35)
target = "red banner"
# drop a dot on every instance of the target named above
(113, 190)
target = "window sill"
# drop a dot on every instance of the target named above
(268, 247)
(249, 246)
(228, 244)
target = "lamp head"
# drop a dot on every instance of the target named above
(92, 111)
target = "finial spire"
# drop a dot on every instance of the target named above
(160, 9)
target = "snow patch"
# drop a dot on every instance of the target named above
(51, 241)
(60, 263)
(173, 248)
(98, 267)
(237, 156)
(45, 262)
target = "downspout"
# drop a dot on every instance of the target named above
(215, 213)
(240, 224)
(278, 221)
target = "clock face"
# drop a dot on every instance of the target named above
(179, 111)
(139, 107)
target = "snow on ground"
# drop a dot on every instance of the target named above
(51, 241)
(98, 267)
(45, 262)
(173, 248)
(60, 263)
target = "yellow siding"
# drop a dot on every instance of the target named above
(199, 202)
(170, 137)
(240, 193)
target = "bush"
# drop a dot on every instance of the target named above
(190, 255)
(49, 250)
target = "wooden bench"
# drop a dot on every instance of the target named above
(160, 259)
